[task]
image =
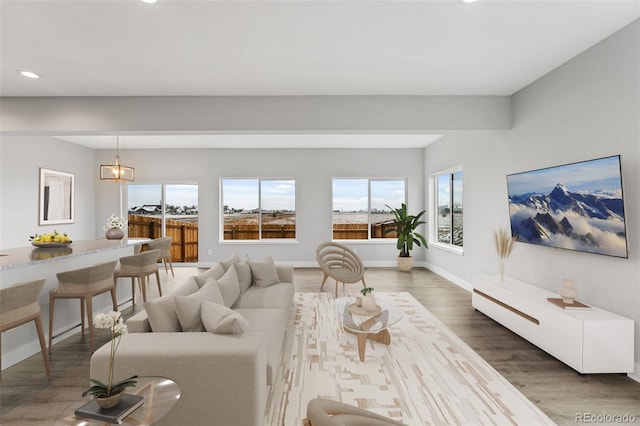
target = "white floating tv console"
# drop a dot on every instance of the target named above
(589, 341)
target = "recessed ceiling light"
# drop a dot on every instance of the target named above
(469, 1)
(149, 1)
(28, 74)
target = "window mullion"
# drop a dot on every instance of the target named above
(369, 210)
(451, 207)
(259, 209)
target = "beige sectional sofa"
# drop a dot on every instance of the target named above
(236, 314)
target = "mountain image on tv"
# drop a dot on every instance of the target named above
(576, 206)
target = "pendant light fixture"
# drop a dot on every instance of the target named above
(116, 172)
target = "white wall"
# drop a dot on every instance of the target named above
(588, 108)
(312, 170)
(20, 160)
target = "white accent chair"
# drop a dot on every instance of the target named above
(340, 263)
(325, 412)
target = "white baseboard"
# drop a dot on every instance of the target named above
(636, 373)
(466, 285)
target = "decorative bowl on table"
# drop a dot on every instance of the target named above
(50, 240)
(51, 244)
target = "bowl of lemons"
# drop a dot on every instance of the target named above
(50, 240)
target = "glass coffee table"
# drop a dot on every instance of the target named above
(160, 396)
(367, 325)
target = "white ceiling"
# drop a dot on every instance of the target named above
(322, 47)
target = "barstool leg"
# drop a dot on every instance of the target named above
(133, 290)
(88, 300)
(158, 281)
(43, 346)
(143, 286)
(82, 315)
(52, 304)
(113, 299)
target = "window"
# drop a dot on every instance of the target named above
(360, 209)
(258, 209)
(448, 205)
(166, 210)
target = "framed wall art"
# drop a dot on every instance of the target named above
(57, 203)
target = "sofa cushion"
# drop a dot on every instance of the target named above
(226, 264)
(188, 307)
(273, 323)
(215, 272)
(162, 311)
(278, 296)
(245, 278)
(219, 319)
(229, 287)
(264, 272)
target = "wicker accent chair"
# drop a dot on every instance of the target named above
(340, 263)
(83, 284)
(18, 306)
(139, 266)
(325, 412)
(164, 244)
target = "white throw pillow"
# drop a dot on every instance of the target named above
(245, 278)
(222, 320)
(226, 264)
(229, 287)
(215, 272)
(188, 307)
(264, 272)
(162, 311)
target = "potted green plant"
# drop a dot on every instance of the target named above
(405, 229)
(368, 300)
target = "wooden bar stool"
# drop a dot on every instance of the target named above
(139, 266)
(19, 305)
(164, 244)
(83, 284)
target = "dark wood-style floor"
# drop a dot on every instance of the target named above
(27, 398)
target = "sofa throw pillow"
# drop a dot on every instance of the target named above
(245, 278)
(188, 307)
(264, 272)
(162, 311)
(226, 264)
(229, 287)
(215, 272)
(222, 320)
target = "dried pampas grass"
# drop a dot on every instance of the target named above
(504, 242)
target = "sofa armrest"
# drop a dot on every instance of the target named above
(222, 378)
(285, 273)
(139, 323)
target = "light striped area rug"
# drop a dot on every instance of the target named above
(426, 376)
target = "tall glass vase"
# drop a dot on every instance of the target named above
(501, 264)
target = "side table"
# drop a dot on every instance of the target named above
(160, 396)
(373, 326)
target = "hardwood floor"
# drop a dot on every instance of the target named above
(27, 398)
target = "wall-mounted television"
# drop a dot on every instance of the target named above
(576, 206)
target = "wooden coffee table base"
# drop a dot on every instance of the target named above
(382, 336)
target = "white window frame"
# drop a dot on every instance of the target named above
(260, 240)
(369, 180)
(433, 212)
